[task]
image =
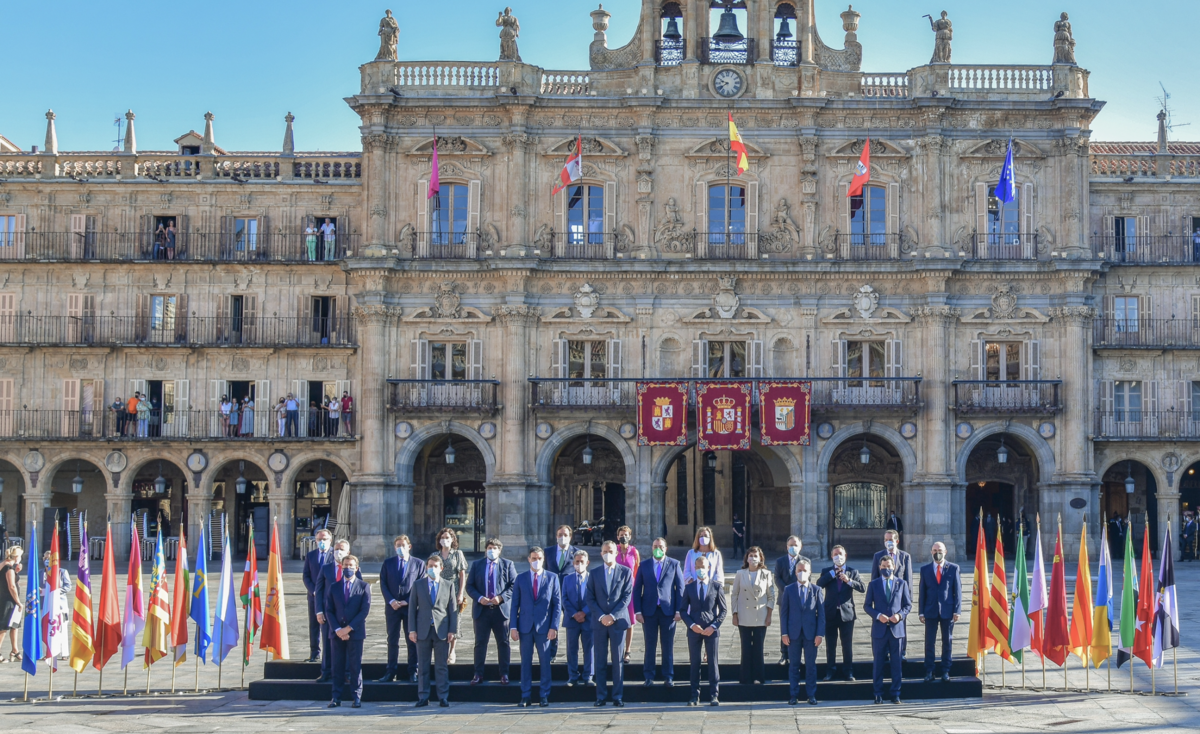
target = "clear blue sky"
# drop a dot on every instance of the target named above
(252, 61)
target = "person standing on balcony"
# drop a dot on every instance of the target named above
(292, 412)
(335, 416)
(169, 240)
(233, 419)
(314, 418)
(160, 242)
(248, 418)
(143, 416)
(310, 240)
(131, 410)
(281, 416)
(118, 409)
(329, 236)
(347, 413)
(224, 408)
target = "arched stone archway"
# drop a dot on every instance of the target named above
(1124, 512)
(890, 435)
(58, 499)
(1041, 450)
(433, 493)
(13, 488)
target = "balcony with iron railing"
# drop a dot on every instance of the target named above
(785, 52)
(170, 424)
(178, 330)
(187, 246)
(713, 51)
(866, 246)
(1008, 397)
(1005, 245)
(670, 52)
(463, 397)
(1133, 333)
(448, 245)
(1147, 425)
(1147, 249)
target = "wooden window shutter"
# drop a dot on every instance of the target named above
(1107, 418)
(145, 237)
(895, 359)
(420, 359)
(70, 407)
(142, 320)
(183, 405)
(8, 317)
(1028, 226)
(226, 236)
(181, 318)
(475, 359)
(343, 236)
(1143, 230)
(74, 305)
(250, 319)
(839, 357)
(610, 207)
(474, 192)
(1033, 360)
(755, 348)
(613, 370)
(1150, 416)
(843, 226)
(78, 233)
(981, 212)
(264, 236)
(893, 219)
(182, 239)
(1108, 236)
(978, 361)
(752, 220)
(559, 202)
(700, 358)
(701, 244)
(6, 407)
(558, 359)
(1195, 312)
(19, 236)
(424, 220)
(264, 409)
(304, 326)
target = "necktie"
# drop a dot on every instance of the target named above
(346, 587)
(535, 585)
(401, 565)
(888, 585)
(608, 579)
(658, 571)
(491, 579)
(939, 574)
(338, 572)
(433, 592)
(562, 559)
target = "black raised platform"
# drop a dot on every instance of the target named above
(286, 681)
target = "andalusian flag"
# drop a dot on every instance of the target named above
(996, 631)
(199, 599)
(1102, 616)
(1020, 632)
(274, 629)
(82, 647)
(1081, 613)
(976, 641)
(1129, 601)
(157, 638)
(181, 602)
(251, 599)
(738, 146)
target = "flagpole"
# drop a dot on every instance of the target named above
(173, 667)
(1175, 665)
(125, 689)
(26, 698)
(100, 686)
(75, 686)
(197, 656)
(1023, 670)
(53, 660)
(147, 680)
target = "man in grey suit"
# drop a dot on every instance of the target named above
(433, 625)
(607, 594)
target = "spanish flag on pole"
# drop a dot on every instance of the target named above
(980, 603)
(738, 147)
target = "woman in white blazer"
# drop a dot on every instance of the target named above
(751, 602)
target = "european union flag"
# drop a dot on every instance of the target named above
(32, 642)
(1006, 189)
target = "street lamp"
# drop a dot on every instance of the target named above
(1002, 453)
(711, 459)
(240, 484)
(450, 451)
(322, 485)
(77, 482)
(1129, 487)
(864, 456)
(160, 484)
(587, 450)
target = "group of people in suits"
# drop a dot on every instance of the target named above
(595, 608)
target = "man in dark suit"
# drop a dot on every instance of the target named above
(312, 568)
(433, 625)
(330, 574)
(940, 606)
(489, 584)
(396, 579)
(577, 621)
(785, 574)
(558, 562)
(702, 612)
(348, 602)
(536, 608)
(801, 624)
(901, 569)
(657, 596)
(888, 602)
(839, 583)
(607, 594)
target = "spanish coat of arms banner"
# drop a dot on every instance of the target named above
(662, 413)
(784, 413)
(724, 415)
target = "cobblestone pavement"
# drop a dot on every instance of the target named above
(1001, 710)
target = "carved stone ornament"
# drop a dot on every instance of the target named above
(1004, 303)
(586, 300)
(447, 304)
(866, 301)
(726, 302)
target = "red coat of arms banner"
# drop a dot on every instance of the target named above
(784, 413)
(662, 413)
(724, 419)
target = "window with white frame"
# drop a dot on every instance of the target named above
(585, 215)
(447, 360)
(868, 217)
(448, 218)
(726, 215)
(865, 359)
(1127, 401)
(1125, 313)
(586, 360)
(1125, 233)
(1002, 361)
(1003, 220)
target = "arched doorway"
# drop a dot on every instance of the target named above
(12, 509)
(863, 493)
(317, 502)
(240, 492)
(1001, 488)
(77, 489)
(1126, 511)
(159, 499)
(592, 493)
(449, 478)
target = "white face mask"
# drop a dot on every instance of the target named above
(890, 545)
(446, 542)
(802, 576)
(402, 551)
(839, 560)
(753, 560)
(704, 540)
(793, 550)
(492, 554)
(564, 541)
(339, 554)
(535, 566)
(580, 567)
(608, 557)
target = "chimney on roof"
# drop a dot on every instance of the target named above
(51, 135)
(1162, 131)
(289, 143)
(208, 144)
(130, 139)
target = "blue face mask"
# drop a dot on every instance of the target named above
(793, 550)
(492, 554)
(402, 551)
(433, 572)
(885, 572)
(701, 573)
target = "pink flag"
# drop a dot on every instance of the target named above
(435, 184)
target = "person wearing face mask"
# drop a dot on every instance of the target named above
(607, 594)
(536, 608)
(888, 602)
(785, 575)
(657, 597)
(901, 569)
(330, 575)
(313, 562)
(396, 579)
(11, 601)
(577, 621)
(839, 582)
(490, 586)
(940, 606)
(704, 546)
(348, 603)
(627, 556)
(433, 627)
(752, 603)
(702, 613)
(454, 570)
(558, 562)
(801, 626)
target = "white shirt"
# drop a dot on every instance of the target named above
(328, 229)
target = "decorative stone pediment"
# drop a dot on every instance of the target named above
(602, 314)
(883, 314)
(1019, 313)
(998, 148)
(451, 145)
(879, 149)
(447, 306)
(602, 147)
(744, 315)
(719, 148)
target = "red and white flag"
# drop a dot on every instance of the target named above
(573, 170)
(862, 172)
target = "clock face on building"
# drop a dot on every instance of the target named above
(728, 83)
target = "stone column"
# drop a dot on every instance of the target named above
(1075, 476)
(929, 505)
(283, 516)
(658, 499)
(1168, 515)
(648, 522)
(693, 10)
(375, 192)
(35, 502)
(120, 511)
(513, 515)
(199, 504)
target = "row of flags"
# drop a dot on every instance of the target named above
(161, 620)
(1037, 618)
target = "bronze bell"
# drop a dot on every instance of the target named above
(728, 31)
(785, 31)
(672, 32)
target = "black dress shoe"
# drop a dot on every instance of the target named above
(812, 702)
(356, 705)
(334, 704)
(544, 702)
(714, 702)
(444, 703)
(422, 702)
(571, 684)
(850, 677)
(477, 680)
(649, 681)
(896, 699)
(792, 702)
(879, 699)
(929, 677)
(828, 677)
(524, 703)
(387, 678)
(600, 703)
(669, 682)
(414, 677)
(314, 659)
(946, 677)
(325, 679)
(619, 703)
(504, 680)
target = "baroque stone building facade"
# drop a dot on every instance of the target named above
(967, 355)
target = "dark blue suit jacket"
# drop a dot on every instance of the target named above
(783, 572)
(802, 619)
(944, 600)
(397, 586)
(506, 573)
(326, 578)
(552, 561)
(666, 594)
(706, 612)
(614, 601)
(536, 614)
(312, 569)
(901, 570)
(876, 603)
(349, 612)
(573, 600)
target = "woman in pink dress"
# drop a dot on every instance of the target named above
(628, 557)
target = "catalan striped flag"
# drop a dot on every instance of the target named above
(1081, 612)
(157, 637)
(82, 645)
(738, 146)
(996, 632)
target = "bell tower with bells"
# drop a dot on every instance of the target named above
(730, 49)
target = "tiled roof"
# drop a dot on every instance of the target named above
(1144, 148)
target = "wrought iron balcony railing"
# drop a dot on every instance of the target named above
(178, 330)
(867, 246)
(713, 51)
(785, 52)
(1117, 333)
(1147, 249)
(443, 396)
(1147, 425)
(447, 245)
(186, 246)
(670, 53)
(991, 397)
(265, 424)
(1006, 245)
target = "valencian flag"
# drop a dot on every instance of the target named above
(662, 413)
(157, 639)
(199, 598)
(135, 603)
(1037, 599)
(1102, 616)
(82, 646)
(1081, 613)
(996, 631)
(108, 616)
(225, 623)
(181, 601)
(251, 601)
(1147, 606)
(738, 146)
(724, 416)
(1019, 632)
(435, 182)
(573, 170)
(1006, 189)
(1057, 642)
(32, 644)
(784, 415)
(1166, 619)
(54, 612)
(976, 640)
(862, 171)
(1129, 602)
(274, 628)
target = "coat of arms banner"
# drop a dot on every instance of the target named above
(724, 415)
(662, 413)
(784, 413)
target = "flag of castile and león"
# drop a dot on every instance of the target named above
(662, 413)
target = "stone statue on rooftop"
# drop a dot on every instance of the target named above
(389, 35)
(1064, 42)
(510, 28)
(944, 32)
